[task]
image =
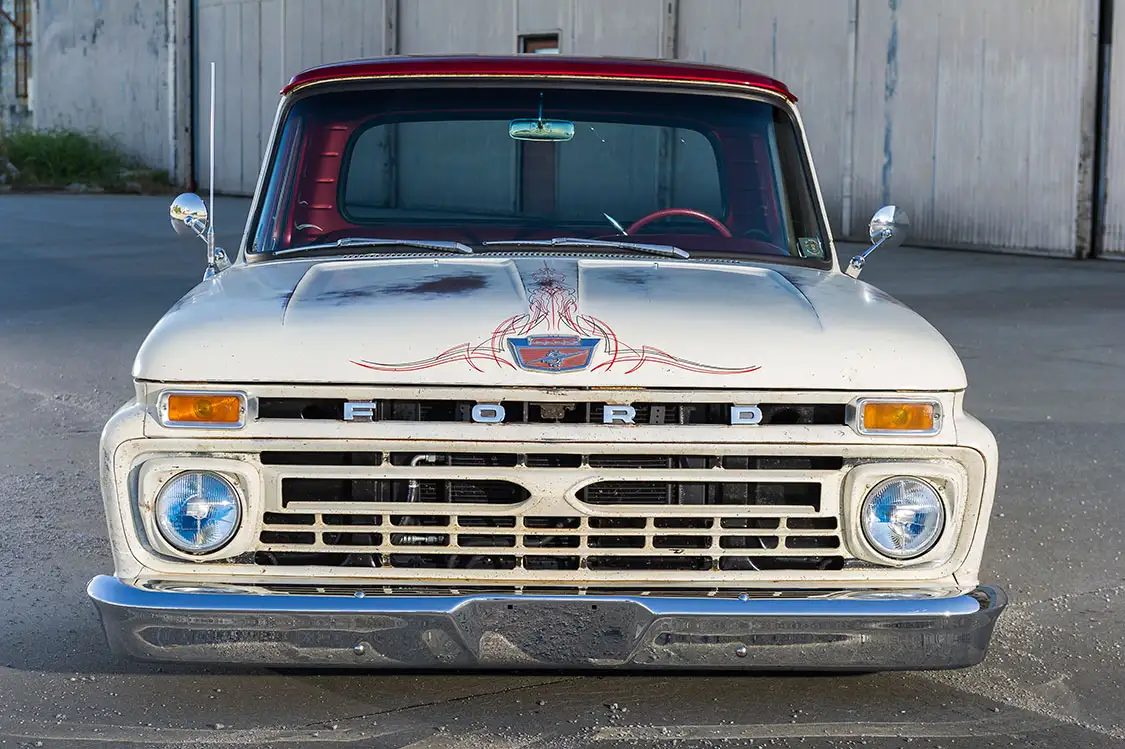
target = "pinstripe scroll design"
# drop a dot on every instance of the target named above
(553, 308)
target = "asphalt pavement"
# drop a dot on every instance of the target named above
(83, 278)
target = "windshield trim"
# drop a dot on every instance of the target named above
(782, 103)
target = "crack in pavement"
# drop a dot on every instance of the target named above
(852, 729)
(118, 734)
(1102, 590)
(433, 703)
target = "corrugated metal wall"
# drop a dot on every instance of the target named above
(977, 117)
(1113, 218)
(807, 46)
(969, 114)
(631, 28)
(257, 46)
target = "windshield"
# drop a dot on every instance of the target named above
(711, 174)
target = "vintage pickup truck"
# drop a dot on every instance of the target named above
(544, 362)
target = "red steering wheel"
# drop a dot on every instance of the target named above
(689, 212)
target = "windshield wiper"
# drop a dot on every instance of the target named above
(665, 250)
(359, 242)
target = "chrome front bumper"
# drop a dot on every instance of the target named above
(854, 630)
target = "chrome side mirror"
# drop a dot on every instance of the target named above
(888, 228)
(189, 215)
(189, 218)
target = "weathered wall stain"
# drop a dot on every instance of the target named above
(102, 66)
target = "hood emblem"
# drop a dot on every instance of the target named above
(553, 353)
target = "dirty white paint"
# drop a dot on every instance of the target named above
(102, 66)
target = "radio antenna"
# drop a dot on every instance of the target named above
(211, 266)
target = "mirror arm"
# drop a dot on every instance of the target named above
(855, 267)
(200, 231)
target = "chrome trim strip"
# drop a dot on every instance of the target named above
(854, 417)
(162, 410)
(879, 630)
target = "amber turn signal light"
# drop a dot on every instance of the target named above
(191, 408)
(891, 416)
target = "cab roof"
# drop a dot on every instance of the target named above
(538, 66)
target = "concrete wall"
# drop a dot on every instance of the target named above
(104, 66)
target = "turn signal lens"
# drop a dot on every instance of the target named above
(889, 416)
(184, 408)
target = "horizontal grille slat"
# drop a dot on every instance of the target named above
(298, 490)
(690, 493)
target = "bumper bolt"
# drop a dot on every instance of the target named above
(359, 649)
(744, 596)
(741, 651)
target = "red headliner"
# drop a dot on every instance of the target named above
(540, 66)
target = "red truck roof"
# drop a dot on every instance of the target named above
(544, 66)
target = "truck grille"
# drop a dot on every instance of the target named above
(554, 517)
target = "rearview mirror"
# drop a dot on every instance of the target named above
(541, 130)
(888, 228)
(189, 215)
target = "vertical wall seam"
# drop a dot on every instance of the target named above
(890, 87)
(1101, 144)
(669, 43)
(171, 40)
(1087, 136)
(849, 121)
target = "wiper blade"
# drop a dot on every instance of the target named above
(665, 250)
(360, 242)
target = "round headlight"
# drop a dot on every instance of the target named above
(902, 517)
(198, 512)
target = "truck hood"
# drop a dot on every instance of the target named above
(546, 321)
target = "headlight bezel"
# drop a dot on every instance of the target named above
(161, 517)
(155, 473)
(947, 478)
(866, 529)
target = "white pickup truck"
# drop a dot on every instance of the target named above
(544, 362)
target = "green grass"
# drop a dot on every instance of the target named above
(55, 159)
